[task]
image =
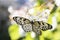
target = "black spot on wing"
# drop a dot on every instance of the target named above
(15, 19)
(18, 20)
(50, 26)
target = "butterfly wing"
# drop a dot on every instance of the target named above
(27, 27)
(44, 26)
(39, 26)
(36, 28)
(25, 23)
(18, 20)
(21, 20)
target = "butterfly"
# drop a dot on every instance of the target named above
(35, 26)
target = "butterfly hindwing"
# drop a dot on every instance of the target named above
(27, 27)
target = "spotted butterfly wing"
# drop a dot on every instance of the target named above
(25, 23)
(44, 26)
(27, 27)
(36, 28)
(21, 20)
(39, 26)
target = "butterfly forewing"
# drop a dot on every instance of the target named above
(21, 20)
(18, 20)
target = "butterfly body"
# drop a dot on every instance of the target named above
(35, 26)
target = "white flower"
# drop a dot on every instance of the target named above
(57, 2)
(10, 9)
(21, 31)
(44, 15)
(54, 22)
(33, 35)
